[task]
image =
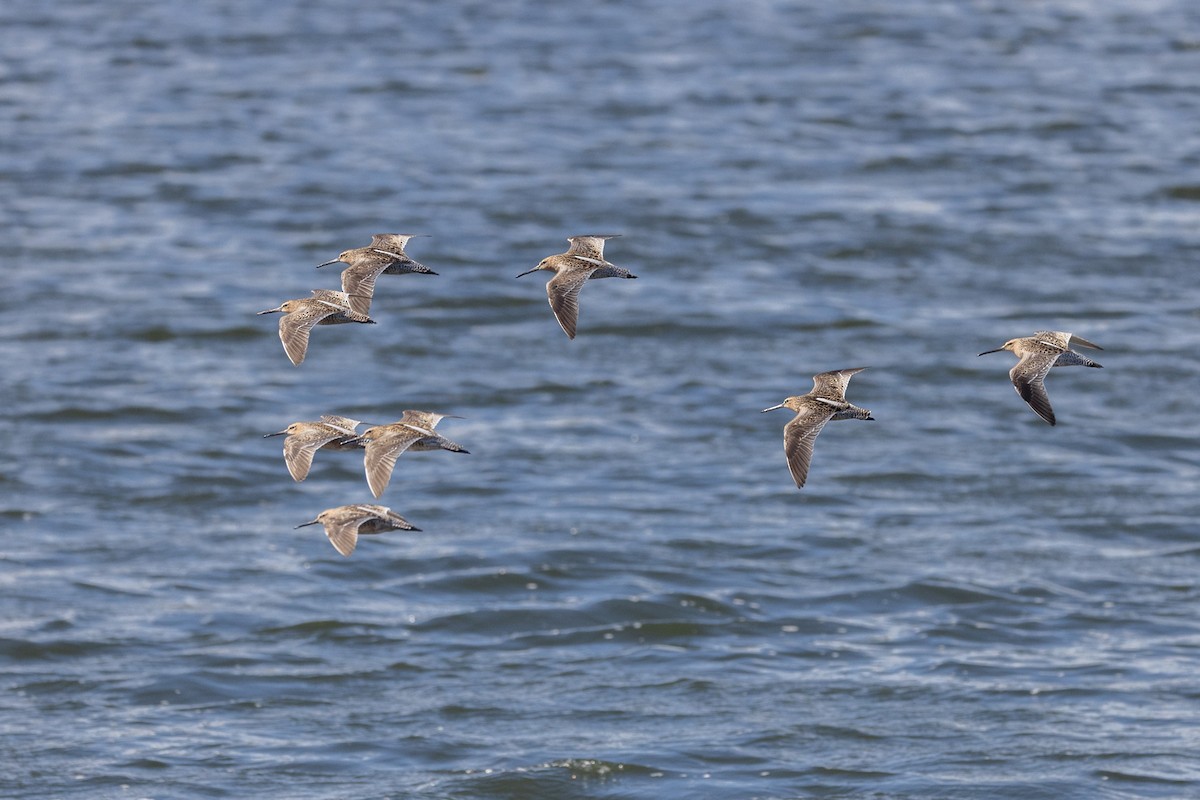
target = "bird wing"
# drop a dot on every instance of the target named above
(380, 456)
(343, 531)
(834, 382)
(358, 281)
(421, 419)
(1028, 378)
(298, 449)
(1079, 340)
(295, 327)
(592, 245)
(332, 297)
(345, 423)
(389, 241)
(798, 436)
(343, 524)
(563, 292)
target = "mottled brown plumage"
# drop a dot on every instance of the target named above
(305, 438)
(325, 307)
(383, 256)
(385, 443)
(1037, 354)
(344, 524)
(583, 260)
(826, 401)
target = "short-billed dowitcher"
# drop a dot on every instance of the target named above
(384, 256)
(325, 307)
(826, 401)
(305, 438)
(344, 524)
(1037, 354)
(583, 260)
(385, 443)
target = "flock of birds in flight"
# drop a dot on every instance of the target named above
(381, 445)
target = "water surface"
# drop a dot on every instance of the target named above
(619, 593)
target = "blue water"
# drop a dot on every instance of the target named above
(619, 593)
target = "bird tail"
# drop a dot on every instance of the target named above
(1072, 359)
(853, 412)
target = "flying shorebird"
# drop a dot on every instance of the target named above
(385, 443)
(583, 260)
(325, 307)
(305, 438)
(384, 256)
(826, 401)
(344, 524)
(1038, 353)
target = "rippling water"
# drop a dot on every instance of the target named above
(619, 593)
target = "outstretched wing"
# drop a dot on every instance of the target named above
(798, 437)
(422, 419)
(591, 245)
(1082, 342)
(563, 292)
(295, 327)
(833, 383)
(348, 425)
(342, 525)
(298, 448)
(343, 531)
(392, 242)
(1028, 378)
(358, 280)
(380, 457)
